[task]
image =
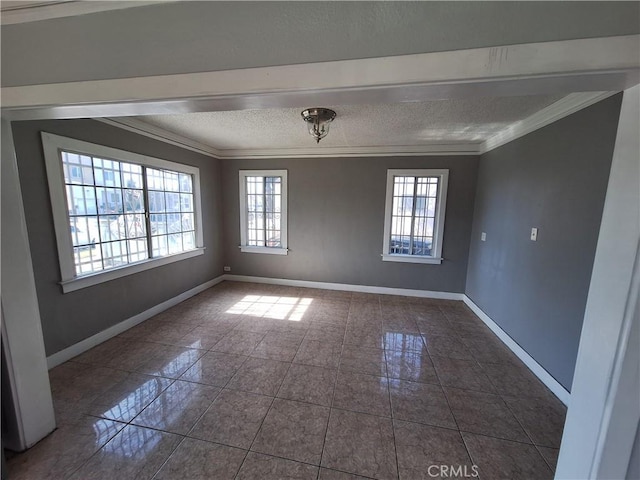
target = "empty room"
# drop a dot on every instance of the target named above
(320, 240)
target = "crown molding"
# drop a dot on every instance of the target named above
(350, 151)
(24, 12)
(554, 112)
(143, 128)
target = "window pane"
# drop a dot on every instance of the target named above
(107, 205)
(171, 182)
(155, 179)
(156, 201)
(158, 224)
(159, 245)
(413, 211)
(175, 243)
(186, 202)
(186, 183)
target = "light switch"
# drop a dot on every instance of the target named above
(534, 234)
(483, 236)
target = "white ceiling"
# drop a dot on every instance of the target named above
(411, 124)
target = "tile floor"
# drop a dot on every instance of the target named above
(251, 381)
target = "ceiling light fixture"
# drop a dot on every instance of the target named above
(318, 120)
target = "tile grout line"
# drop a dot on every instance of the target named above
(393, 427)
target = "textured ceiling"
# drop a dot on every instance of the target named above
(407, 124)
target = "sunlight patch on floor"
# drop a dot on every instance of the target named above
(268, 306)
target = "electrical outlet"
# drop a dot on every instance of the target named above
(534, 234)
(227, 269)
(483, 237)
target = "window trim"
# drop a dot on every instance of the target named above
(436, 257)
(52, 146)
(242, 175)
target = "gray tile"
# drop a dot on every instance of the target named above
(233, 419)
(498, 458)
(277, 347)
(238, 342)
(489, 349)
(466, 374)
(542, 418)
(266, 467)
(134, 356)
(437, 326)
(171, 362)
(101, 354)
(178, 408)
(319, 353)
(328, 474)
(200, 337)
(423, 449)
(362, 393)
(307, 383)
(404, 342)
(89, 384)
(198, 460)
(514, 380)
(411, 366)
(258, 375)
(63, 451)
(128, 398)
(364, 338)
(325, 332)
(446, 346)
(135, 452)
(361, 444)
(214, 368)
(363, 360)
(293, 430)
(484, 413)
(550, 455)
(420, 402)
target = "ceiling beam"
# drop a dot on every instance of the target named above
(595, 64)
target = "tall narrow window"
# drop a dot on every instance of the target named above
(263, 211)
(414, 215)
(117, 212)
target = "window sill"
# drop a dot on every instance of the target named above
(267, 250)
(96, 278)
(411, 259)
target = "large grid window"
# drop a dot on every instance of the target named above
(414, 215)
(115, 209)
(263, 207)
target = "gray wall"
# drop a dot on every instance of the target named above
(336, 221)
(208, 36)
(633, 471)
(554, 179)
(72, 317)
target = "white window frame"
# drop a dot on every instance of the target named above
(243, 174)
(53, 145)
(436, 248)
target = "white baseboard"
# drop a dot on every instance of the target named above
(84, 345)
(80, 347)
(544, 376)
(347, 287)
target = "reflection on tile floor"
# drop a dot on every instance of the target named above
(253, 381)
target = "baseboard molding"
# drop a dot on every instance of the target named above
(347, 287)
(537, 369)
(84, 345)
(80, 347)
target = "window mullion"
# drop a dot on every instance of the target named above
(147, 217)
(264, 210)
(413, 214)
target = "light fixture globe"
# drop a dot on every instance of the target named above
(318, 120)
